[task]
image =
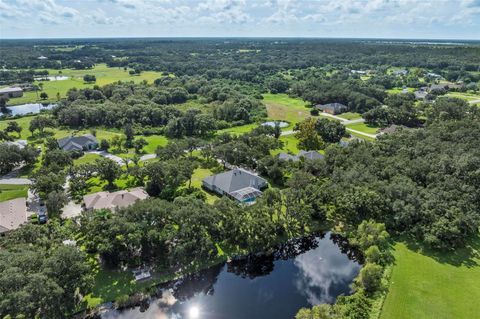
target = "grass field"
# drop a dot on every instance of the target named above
(198, 175)
(24, 123)
(8, 192)
(290, 145)
(362, 127)
(436, 286)
(104, 75)
(350, 116)
(399, 90)
(86, 159)
(239, 129)
(284, 108)
(468, 96)
(153, 142)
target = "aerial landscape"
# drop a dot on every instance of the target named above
(239, 159)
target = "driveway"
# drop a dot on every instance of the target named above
(71, 210)
(362, 133)
(115, 158)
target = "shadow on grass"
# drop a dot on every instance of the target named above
(468, 256)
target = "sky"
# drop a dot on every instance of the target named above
(412, 19)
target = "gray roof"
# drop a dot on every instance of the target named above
(334, 106)
(76, 142)
(11, 89)
(310, 155)
(235, 180)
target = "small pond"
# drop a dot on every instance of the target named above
(272, 123)
(29, 108)
(52, 78)
(303, 273)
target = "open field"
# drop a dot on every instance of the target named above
(8, 192)
(239, 129)
(362, 127)
(198, 175)
(434, 286)
(284, 108)
(350, 116)
(104, 75)
(290, 145)
(153, 142)
(399, 90)
(468, 96)
(87, 158)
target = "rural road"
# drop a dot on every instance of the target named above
(15, 181)
(362, 133)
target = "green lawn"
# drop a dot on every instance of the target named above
(24, 123)
(285, 108)
(198, 175)
(104, 75)
(86, 159)
(468, 96)
(399, 90)
(290, 145)
(153, 142)
(8, 192)
(350, 116)
(436, 286)
(362, 127)
(239, 129)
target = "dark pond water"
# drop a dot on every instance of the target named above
(309, 271)
(29, 108)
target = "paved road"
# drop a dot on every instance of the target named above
(148, 157)
(474, 101)
(115, 158)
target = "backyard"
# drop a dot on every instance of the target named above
(434, 285)
(8, 192)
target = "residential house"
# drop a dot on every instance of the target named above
(21, 144)
(78, 143)
(400, 72)
(421, 93)
(239, 184)
(332, 108)
(392, 129)
(11, 92)
(114, 200)
(13, 213)
(309, 155)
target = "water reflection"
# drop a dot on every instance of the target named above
(301, 273)
(28, 108)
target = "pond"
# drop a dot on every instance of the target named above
(52, 78)
(303, 273)
(29, 108)
(272, 123)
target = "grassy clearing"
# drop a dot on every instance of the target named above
(104, 75)
(87, 158)
(468, 96)
(362, 127)
(198, 175)
(238, 130)
(425, 285)
(8, 192)
(399, 90)
(284, 108)
(350, 116)
(290, 145)
(24, 123)
(153, 142)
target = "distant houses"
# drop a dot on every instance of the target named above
(11, 92)
(78, 143)
(114, 200)
(13, 213)
(238, 184)
(308, 155)
(332, 108)
(401, 72)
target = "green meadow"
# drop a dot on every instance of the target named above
(434, 285)
(103, 73)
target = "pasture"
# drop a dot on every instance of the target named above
(285, 108)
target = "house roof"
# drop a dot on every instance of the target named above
(235, 180)
(76, 142)
(19, 143)
(310, 155)
(13, 213)
(334, 106)
(107, 200)
(11, 89)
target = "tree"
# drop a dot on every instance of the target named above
(139, 144)
(308, 138)
(40, 123)
(89, 78)
(14, 127)
(10, 157)
(46, 182)
(44, 95)
(370, 277)
(129, 135)
(108, 170)
(330, 131)
(165, 177)
(55, 202)
(104, 145)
